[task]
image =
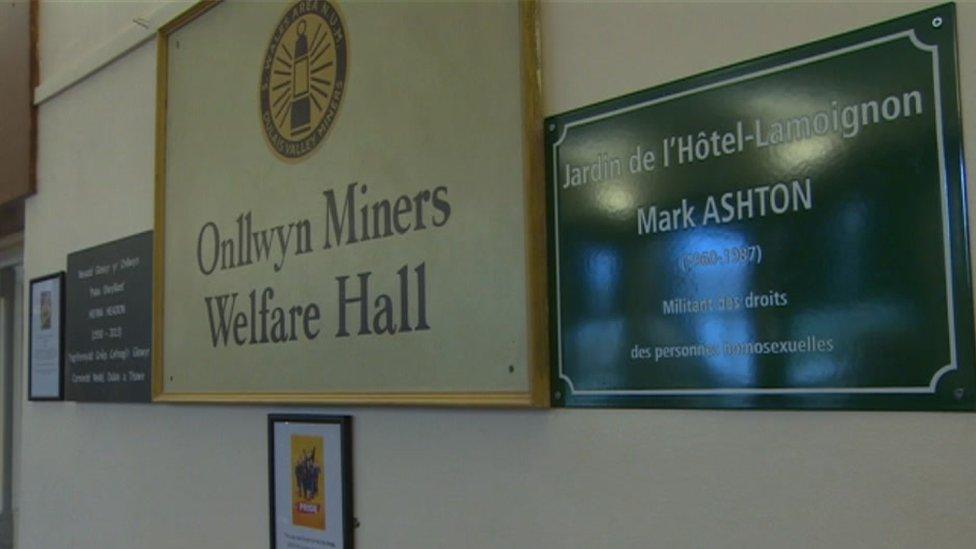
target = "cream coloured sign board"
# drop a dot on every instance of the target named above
(349, 207)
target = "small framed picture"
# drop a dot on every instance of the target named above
(46, 342)
(310, 475)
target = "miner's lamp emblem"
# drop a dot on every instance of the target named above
(303, 78)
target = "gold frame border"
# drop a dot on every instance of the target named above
(536, 252)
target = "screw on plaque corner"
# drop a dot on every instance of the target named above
(936, 22)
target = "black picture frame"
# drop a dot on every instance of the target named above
(344, 422)
(60, 303)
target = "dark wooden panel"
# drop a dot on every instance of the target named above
(17, 114)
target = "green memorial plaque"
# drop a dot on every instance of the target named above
(788, 232)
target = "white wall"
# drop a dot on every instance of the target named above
(114, 476)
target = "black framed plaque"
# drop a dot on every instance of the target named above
(787, 232)
(310, 481)
(46, 342)
(109, 321)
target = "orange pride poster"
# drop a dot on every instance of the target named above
(308, 481)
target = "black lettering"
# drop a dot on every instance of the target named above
(339, 223)
(312, 313)
(441, 205)
(401, 207)
(381, 213)
(219, 330)
(216, 245)
(421, 271)
(362, 300)
(418, 204)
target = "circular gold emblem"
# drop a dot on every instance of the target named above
(303, 78)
